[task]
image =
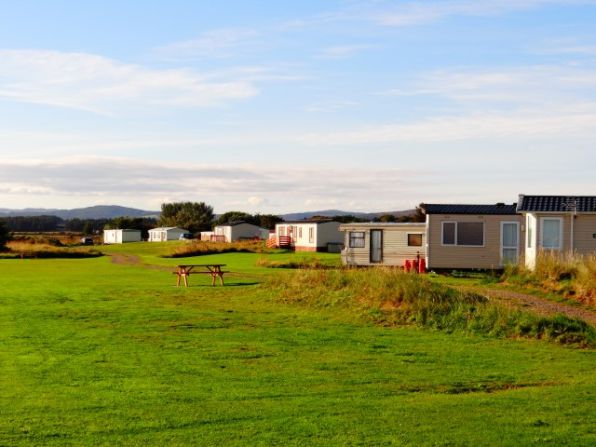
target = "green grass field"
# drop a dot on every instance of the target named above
(94, 352)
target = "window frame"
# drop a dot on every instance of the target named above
(455, 243)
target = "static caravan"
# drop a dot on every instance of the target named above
(120, 236)
(383, 243)
(309, 235)
(163, 234)
(472, 236)
(558, 224)
(206, 236)
(236, 231)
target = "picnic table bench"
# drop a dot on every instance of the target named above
(182, 271)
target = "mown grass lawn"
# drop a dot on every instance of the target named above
(98, 353)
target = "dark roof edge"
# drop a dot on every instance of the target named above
(307, 221)
(478, 209)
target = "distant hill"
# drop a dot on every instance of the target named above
(111, 211)
(92, 212)
(331, 213)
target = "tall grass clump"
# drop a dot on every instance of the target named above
(390, 297)
(300, 263)
(570, 275)
(199, 248)
(25, 249)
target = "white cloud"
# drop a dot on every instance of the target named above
(331, 105)
(255, 201)
(516, 87)
(102, 85)
(220, 43)
(132, 181)
(416, 13)
(144, 184)
(568, 123)
(343, 51)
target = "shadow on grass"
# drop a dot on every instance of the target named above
(209, 286)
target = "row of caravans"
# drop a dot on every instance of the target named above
(478, 236)
(222, 233)
(454, 236)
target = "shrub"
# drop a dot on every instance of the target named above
(199, 248)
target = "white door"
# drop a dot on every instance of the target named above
(509, 243)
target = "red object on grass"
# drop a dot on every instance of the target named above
(422, 266)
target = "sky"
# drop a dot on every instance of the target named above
(279, 106)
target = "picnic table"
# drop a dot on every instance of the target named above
(182, 271)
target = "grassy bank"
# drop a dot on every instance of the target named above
(391, 297)
(568, 275)
(201, 248)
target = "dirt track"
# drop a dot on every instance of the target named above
(124, 259)
(535, 304)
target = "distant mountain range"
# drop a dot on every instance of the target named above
(331, 213)
(112, 211)
(92, 212)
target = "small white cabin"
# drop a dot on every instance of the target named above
(305, 235)
(383, 243)
(120, 236)
(236, 231)
(163, 234)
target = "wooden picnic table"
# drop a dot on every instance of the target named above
(182, 271)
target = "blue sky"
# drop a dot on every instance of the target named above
(270, 106)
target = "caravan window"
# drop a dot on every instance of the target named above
(356, 239)
(469, 234)
(448, 233)
(552, 233)
(414, 240)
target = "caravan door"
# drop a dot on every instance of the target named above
(376, 246)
